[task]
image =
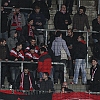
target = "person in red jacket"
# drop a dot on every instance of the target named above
(44, 63)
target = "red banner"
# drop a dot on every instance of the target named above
(75, 96)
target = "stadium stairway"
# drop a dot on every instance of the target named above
(91, 12)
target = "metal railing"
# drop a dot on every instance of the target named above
(22, 62)
(98, 6)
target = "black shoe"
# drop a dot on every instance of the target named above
(2, 86)
(84, 83)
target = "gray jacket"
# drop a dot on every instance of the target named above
(10, 20)
(57, 45)
(12, 41)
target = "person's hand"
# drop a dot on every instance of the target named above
(70, 47)
(66, 21)
(40, 23)
(6, 4)
(32, 61)
(69, 58)
(74, 29)
(33, 27)
(6, 59)
(16, 59)
(88, 30)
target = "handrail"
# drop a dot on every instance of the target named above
(22, 62)
(20, 8)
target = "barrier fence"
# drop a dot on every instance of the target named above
(27, 62)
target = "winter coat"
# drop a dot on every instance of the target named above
(59, 20)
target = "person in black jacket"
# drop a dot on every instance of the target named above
(62, 19)
(25, 80)
(80, 52)
(96, 27)
(46, 84)
(95, 79)
(39, 22)
(96, 50)
(28, 31)
(4, 55)
(43, 6)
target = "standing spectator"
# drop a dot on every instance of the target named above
(4, 28)
(71, 43)
(44, 62)
(43, 8)
(25, 80)
(80, 52)
(16, 20)
(62, 19)
(96, 51)
(39, 22)
(28, 31)
(57, 45)
(46, 84)
(96, 27)
(4, 54)
(95, 79)
(16, 54)
(80, 19)
(12, 40)
(69, 6)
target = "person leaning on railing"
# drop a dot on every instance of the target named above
(16, 54)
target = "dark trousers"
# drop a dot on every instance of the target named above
(95, 86)
(49, 2)
(4, 72)
(58, 71)
(69, 5)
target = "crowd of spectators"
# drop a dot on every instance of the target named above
(20, 40)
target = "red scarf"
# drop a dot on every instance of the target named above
(22, 80)
(82, 41)
(17, 22)
(30, 31)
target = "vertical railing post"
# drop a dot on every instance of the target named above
(65, 73)
(46, 37)
(21, 66)
(0, 74)
(87, 47)
(98, 6)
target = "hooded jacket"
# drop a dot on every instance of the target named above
(57, 45)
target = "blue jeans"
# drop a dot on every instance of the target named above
(4, 35)
(79, 63)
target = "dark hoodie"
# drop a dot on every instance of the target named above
(80, 50)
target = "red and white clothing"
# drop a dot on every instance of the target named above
(17, 22)
(22, 81)
(30, 31)
(28, 48)
(16, 54)
(30, 56)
